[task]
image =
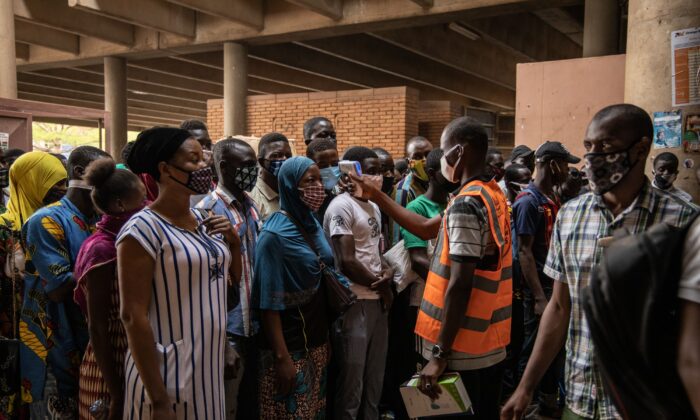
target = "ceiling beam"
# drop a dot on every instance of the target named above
(22, 51)
(57, 15)
(30, 33)
(155, 14)
(34, 83)
(266, 70)
(300, 58)
(95, 77)
(426, 4)
(371, 52)
(477, 57)
(245, 12)
(329, 8)
(527, 35)
(196, 72)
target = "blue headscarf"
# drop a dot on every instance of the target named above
(287, 273)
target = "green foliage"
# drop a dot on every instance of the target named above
(59, 138)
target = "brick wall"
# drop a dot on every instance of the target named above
(384, 117)
(433, 116)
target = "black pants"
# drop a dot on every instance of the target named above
(484, 389)
(553, 375)
(511, 375)
(248, 349)
(403, 357)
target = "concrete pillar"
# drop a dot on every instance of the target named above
(601, 24)
(648, 67)
(115, 103)
(235, 88)
(8, 66)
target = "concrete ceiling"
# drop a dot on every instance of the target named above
(175, 61)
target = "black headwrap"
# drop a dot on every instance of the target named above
(155, 145)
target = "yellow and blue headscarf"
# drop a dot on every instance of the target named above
(31, 177)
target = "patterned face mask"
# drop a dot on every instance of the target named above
(246, 178)
(198, 181)
(274, 167)
(313, 196)
(605, 170)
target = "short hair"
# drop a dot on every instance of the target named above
(126, 150)
(193, 125)
(493, 151)
(83, 156)
(109, 182)
(513, 170)
(13, 153)
(311, 123)
(224, 145)
(359, 154)
(381, 152)
(270, 138)
(320, 145)
(433, 159)
(633, 116)
(467, 130)
(401, 165)
(667, 157)
(416, 139)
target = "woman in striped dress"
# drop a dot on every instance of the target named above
(173, 264)
(118, 194)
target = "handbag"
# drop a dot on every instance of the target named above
(339, 298)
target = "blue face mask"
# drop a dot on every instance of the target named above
(274, 167)
(329, 177)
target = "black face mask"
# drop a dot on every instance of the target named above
(387, 184)
(54, 195)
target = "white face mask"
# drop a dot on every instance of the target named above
(79, 183)
(449, 171)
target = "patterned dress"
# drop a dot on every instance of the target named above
(53, 334)
(10, 304)
(98, 250)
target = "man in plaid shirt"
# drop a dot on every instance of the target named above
(622, 201)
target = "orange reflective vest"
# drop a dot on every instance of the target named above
(485, 325)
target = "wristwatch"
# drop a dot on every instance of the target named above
(439, 353)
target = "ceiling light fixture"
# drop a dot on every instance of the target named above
(467, 33)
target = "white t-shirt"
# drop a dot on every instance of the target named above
(346, 215)
(689, 286)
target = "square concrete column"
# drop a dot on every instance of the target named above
(235, 88)
(8, 66)
(601, 28)
(115, 103)
(648, 75)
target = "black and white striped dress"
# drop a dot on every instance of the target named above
(188, 317)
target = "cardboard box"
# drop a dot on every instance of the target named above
(452, 400)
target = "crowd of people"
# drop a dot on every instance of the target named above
(190, 279)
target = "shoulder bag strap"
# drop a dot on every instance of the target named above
(306, 236)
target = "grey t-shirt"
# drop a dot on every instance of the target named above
(346, 215)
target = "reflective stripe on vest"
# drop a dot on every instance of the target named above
(486, 324)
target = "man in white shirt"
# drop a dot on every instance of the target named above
(361, 334)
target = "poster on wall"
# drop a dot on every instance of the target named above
(685, 66)
(667, 129)
(691, 133)
(4, 141)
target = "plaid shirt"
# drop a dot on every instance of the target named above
(245, 218)
(407, 190)
(573, 253)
